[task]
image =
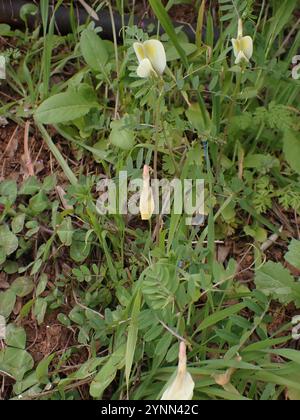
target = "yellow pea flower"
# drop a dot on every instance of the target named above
(147, 205)
(242, 46)
(182, 388)
(151, 56)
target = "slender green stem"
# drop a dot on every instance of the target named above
(58, 156)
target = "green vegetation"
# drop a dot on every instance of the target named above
(96, 305)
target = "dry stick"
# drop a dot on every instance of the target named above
(290, 34)
(173, 332)
(27, 156)
(271, 240)
(89, 10)
(85, 307)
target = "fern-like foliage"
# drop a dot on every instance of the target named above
(231, 9)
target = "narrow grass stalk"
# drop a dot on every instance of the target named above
(58, 156)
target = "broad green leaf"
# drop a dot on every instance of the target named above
(195, 117)
(39, 203)
(39, 310)
(8, 241)
(80, 248)
(30, 187)
(65, 231)
(290, 354)
(220, 316)
(261, 162)
(22, 286)
(16, 362)
(107, 374)
(173, 54)
(7, 302)
(291, 149)
(15, 336)
(63, 107)
(42, 284)
(121, 136)
(17, 223)
(276, 281)
(293, 256)
(93, 50)
(42, 369)
(9, 190)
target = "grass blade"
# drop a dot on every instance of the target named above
(132, 337)
(166, 23)
(58, 156)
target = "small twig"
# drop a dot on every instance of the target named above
(173, 332)
(27, 156)
(288, 37)
(62, 195)
(89, 10)
(85, 307)
(271, 241)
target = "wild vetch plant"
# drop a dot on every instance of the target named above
(150, 202)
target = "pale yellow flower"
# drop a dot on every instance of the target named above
(151, 56)
(147, 205)
(242, 46)
(182, 388)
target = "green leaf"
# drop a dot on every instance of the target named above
(261, 162)
(16, 362)
(220, 316)
(49, 183)
(93, 50)
(276, 281)
(132, 336)
(39, 203)
(290, 354)
(291, 149)
(293, 256)
(39, 310)
(121, 137)
(28, 9)
(80, 248)
(8, 189)
(108, 372)
(17, 223)
(22, 286)
(11, 267)
(43, 281)
(63, 107)
(8, 241)
(30, 187)
(159, 285)
(15, 337)
(65, 231)
(42, 369)
(58, 156)
(195, 117)
(7, 302)
(173, 54)
(2, 256)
